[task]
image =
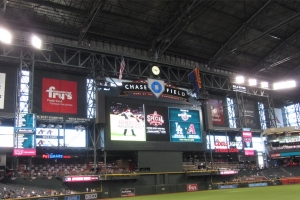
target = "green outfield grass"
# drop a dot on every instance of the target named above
(285, 192)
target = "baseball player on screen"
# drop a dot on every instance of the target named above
(127, 114)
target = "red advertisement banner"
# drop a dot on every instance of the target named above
(192, 187)
(59, 96)
(217, 113)
(247, 142)
(24, 152)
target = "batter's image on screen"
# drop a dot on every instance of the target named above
(185, 125)
(157, 123)
(127, 122)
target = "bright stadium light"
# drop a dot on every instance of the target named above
(264, 84)
(5, 36)
(36, 42)
(284, 85)
(252, 82)
(240, 79)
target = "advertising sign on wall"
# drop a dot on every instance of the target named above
(2, 89)
(127, 192)
(185, 125)
(192, 187)
(278, 117)
(227, 186)
(127, 122)
(217, 113)
(59, 96)
(157, 123)
(247, 142)
(2, 159)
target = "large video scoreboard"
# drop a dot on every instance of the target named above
(134, 125)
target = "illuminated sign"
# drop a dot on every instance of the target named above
(192, 187)
(80, 178)
(54, 156)
(228, 172)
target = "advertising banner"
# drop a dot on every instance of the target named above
(2, 89)
(59, 96)
(90, 196)
(127, 192)
(278, 117)
(247, 142)
(185, 125)
(80, 178)
(73, 197)
(227, 186)
(127, 122)
(157, 123)
(192, 187)
(24, 152)
(257, 184)
(2, 159)
(251, 114)
(217, 113)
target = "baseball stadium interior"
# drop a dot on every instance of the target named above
(117, 98)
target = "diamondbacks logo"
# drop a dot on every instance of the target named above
(155, 119)
(191, 129)
(59, 96)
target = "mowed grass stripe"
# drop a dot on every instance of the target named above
(284, 192)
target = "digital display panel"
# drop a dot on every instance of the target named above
(6, 136)
(25, 123)
(46, 137)
(184, 125)
(80, 178)
(25, 145)
(75, 138)
(157, 123)
(127, 122)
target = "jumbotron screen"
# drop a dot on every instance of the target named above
(184, 125)
(127, 122)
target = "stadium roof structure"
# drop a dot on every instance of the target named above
(254, 38)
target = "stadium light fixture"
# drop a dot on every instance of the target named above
(5, 36)
(252, 82)
(239, 79)
(284, 85)
(58, 126)
(36, 42)
(264, 84)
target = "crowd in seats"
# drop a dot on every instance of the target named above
(11, 191)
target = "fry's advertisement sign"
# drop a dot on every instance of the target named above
(59, 96)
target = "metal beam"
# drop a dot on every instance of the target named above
(230, 46)
(269, 59)
(179, 21)
(97, 6)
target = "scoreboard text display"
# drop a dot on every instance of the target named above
(184, 125)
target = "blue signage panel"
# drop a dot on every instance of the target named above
(184, 125)
(73, 197)
(25, 123)
(257, 184)
(227, 186)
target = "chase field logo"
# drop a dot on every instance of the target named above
(157, 87)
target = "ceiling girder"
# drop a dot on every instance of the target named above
(230, 46)
(179, 21)
(98, 5)
(270, 59)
